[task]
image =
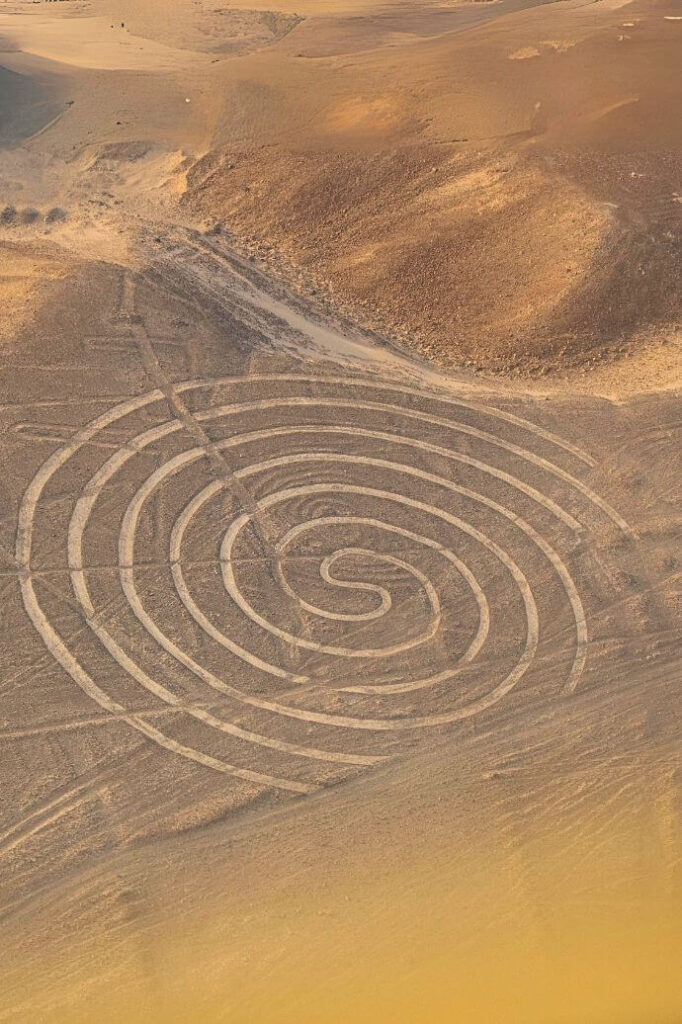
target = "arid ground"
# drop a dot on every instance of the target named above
(340, 535)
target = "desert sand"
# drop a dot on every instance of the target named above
(340, 512)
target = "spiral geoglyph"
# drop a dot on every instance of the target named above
(322, 570)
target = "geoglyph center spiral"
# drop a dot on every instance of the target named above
(344, 564)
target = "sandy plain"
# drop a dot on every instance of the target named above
(340, 522)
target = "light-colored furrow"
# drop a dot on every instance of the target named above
(479, 637)
(461, 428)
(409, 722)
(142, 443)
(69, 799)
(547, 550)
(54, 642)
(312, 645)
(351, 381)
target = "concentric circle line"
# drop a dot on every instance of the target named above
(34, 500)
(464, 571)
(116, 461)
(122, 409)
(126, 554)
(172, 426)
(63, 656)
(345, 721)
(347, 652)
(85, 504)
(81, 590)
(77, 526)
(57, 460)
(413, 442)
(126, 551)
(180, 461)
(177, 535)
(536, 538)
(294, 402)
(385, 600)
(160, 691)
(350, 381)
(56, 646)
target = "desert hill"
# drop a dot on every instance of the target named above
(505, 197)
(495, 187)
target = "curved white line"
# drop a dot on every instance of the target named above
(92, 489)
(57, 460)
(51, 638)
(463, 569)
(385, 601)
(221, 638)
(54, 642)
(536, 538)
(393, 725)
(63, 656)
(537, 460)
(312, 645)
(75, 540)
(435, 449)
(180, 461)
(351, 381)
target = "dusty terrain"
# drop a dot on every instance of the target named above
(338, 683)
(510, 205)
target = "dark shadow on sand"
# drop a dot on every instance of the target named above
(27, 106)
